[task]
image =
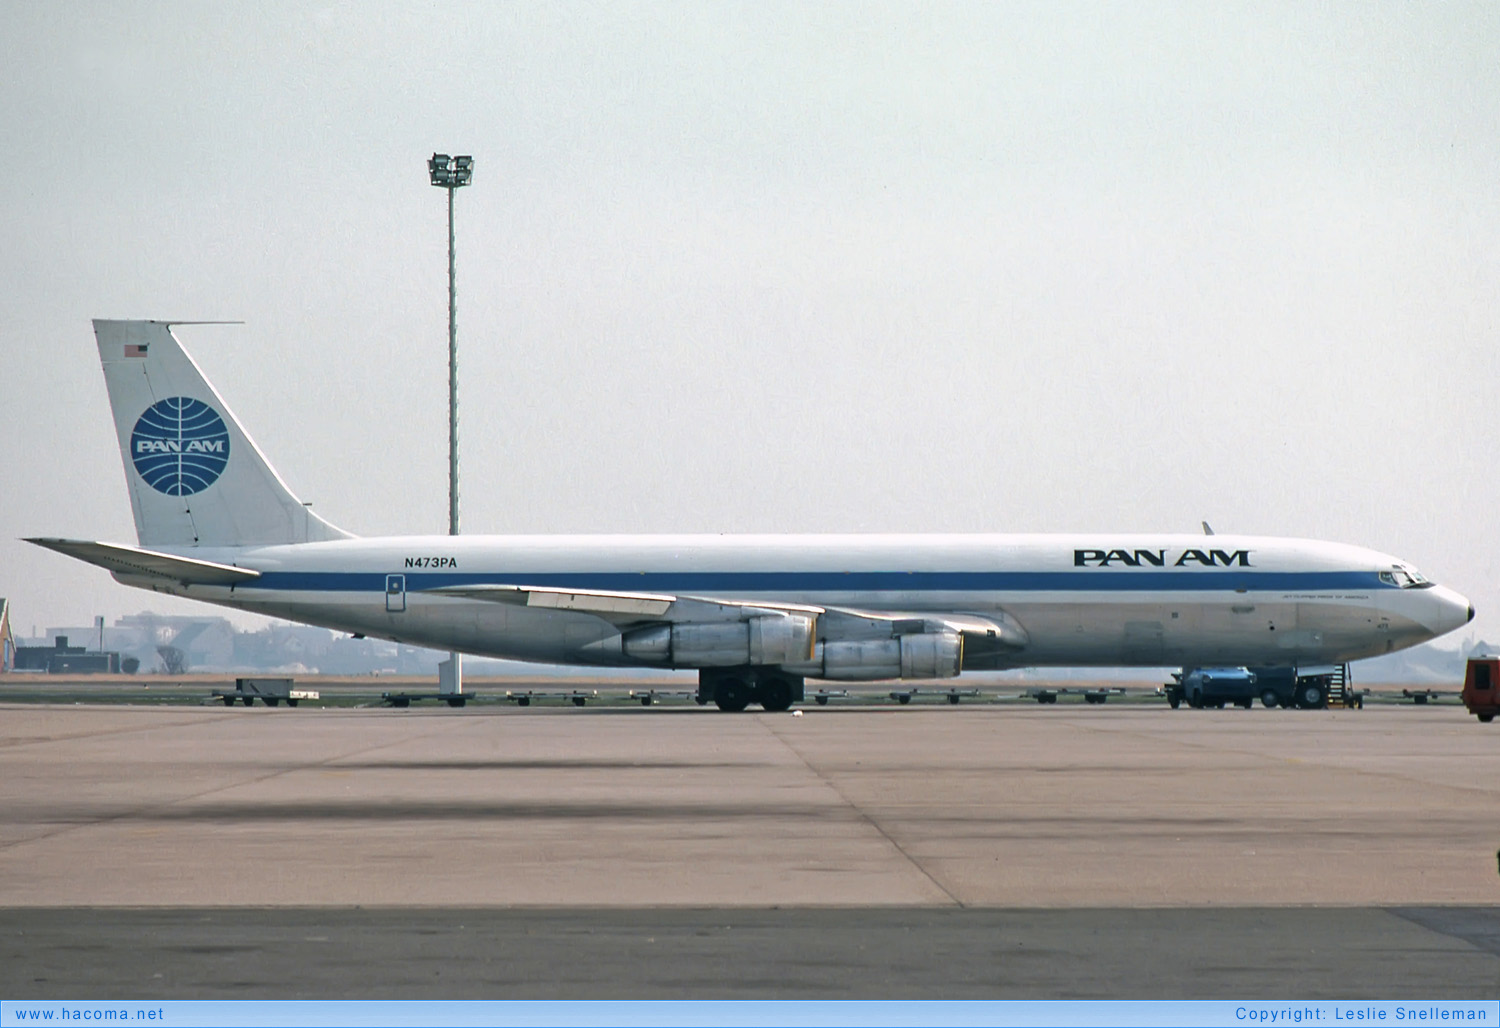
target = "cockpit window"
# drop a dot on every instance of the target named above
(1405, 577)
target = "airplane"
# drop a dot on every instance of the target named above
(755, 615)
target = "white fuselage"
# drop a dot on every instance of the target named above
(1126, 600)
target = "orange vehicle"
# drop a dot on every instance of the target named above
(1482, 687)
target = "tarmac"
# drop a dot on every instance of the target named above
(959, 852)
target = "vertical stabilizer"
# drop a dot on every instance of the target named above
(195, 476)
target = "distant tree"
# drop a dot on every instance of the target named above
(173, 660)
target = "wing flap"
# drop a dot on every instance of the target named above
(591, 601)
(625, 608)
(996, 630)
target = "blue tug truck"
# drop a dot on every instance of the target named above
(1273, 686)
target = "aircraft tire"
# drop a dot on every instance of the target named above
(732, 695)
(774, 694)
(1173, 700)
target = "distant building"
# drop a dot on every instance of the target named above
(7, 641)
(203, 642)
(62, 659)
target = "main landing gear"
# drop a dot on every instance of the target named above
(734, 689)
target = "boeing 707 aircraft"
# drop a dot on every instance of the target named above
(754, 614)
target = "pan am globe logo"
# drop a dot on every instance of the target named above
(180, 446)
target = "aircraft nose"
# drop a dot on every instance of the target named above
(1453, 610)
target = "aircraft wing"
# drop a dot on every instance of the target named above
(134, 562)
(984, 634)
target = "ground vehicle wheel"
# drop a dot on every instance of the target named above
(904, 698)
(523, 701)
(821, 701)
(248, 701)
(1051, 697)
(291, 703)
(732, 694)
(457, 701)
(1486, 718)
(1245, 704)
(1310, 696)
(1268, 698)
(272, 701)
(774, 693)
(228, 701)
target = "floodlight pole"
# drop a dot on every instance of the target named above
(450, 173)
(452, 378)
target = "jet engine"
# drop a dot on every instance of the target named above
(773, 639)
(922, 655)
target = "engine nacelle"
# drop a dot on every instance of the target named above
(772, 639)
(924, 655)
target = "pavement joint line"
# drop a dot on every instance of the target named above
(37, 741)
(1310, 762)
(860, 811)
(138, 811)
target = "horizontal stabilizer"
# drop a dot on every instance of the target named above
(133, 562)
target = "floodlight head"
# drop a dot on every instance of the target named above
(463, 170)
(439, 167)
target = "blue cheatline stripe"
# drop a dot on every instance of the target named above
(723, 582)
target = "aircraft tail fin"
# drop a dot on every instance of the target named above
(195, 476)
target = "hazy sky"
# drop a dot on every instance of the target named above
(771, 267)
